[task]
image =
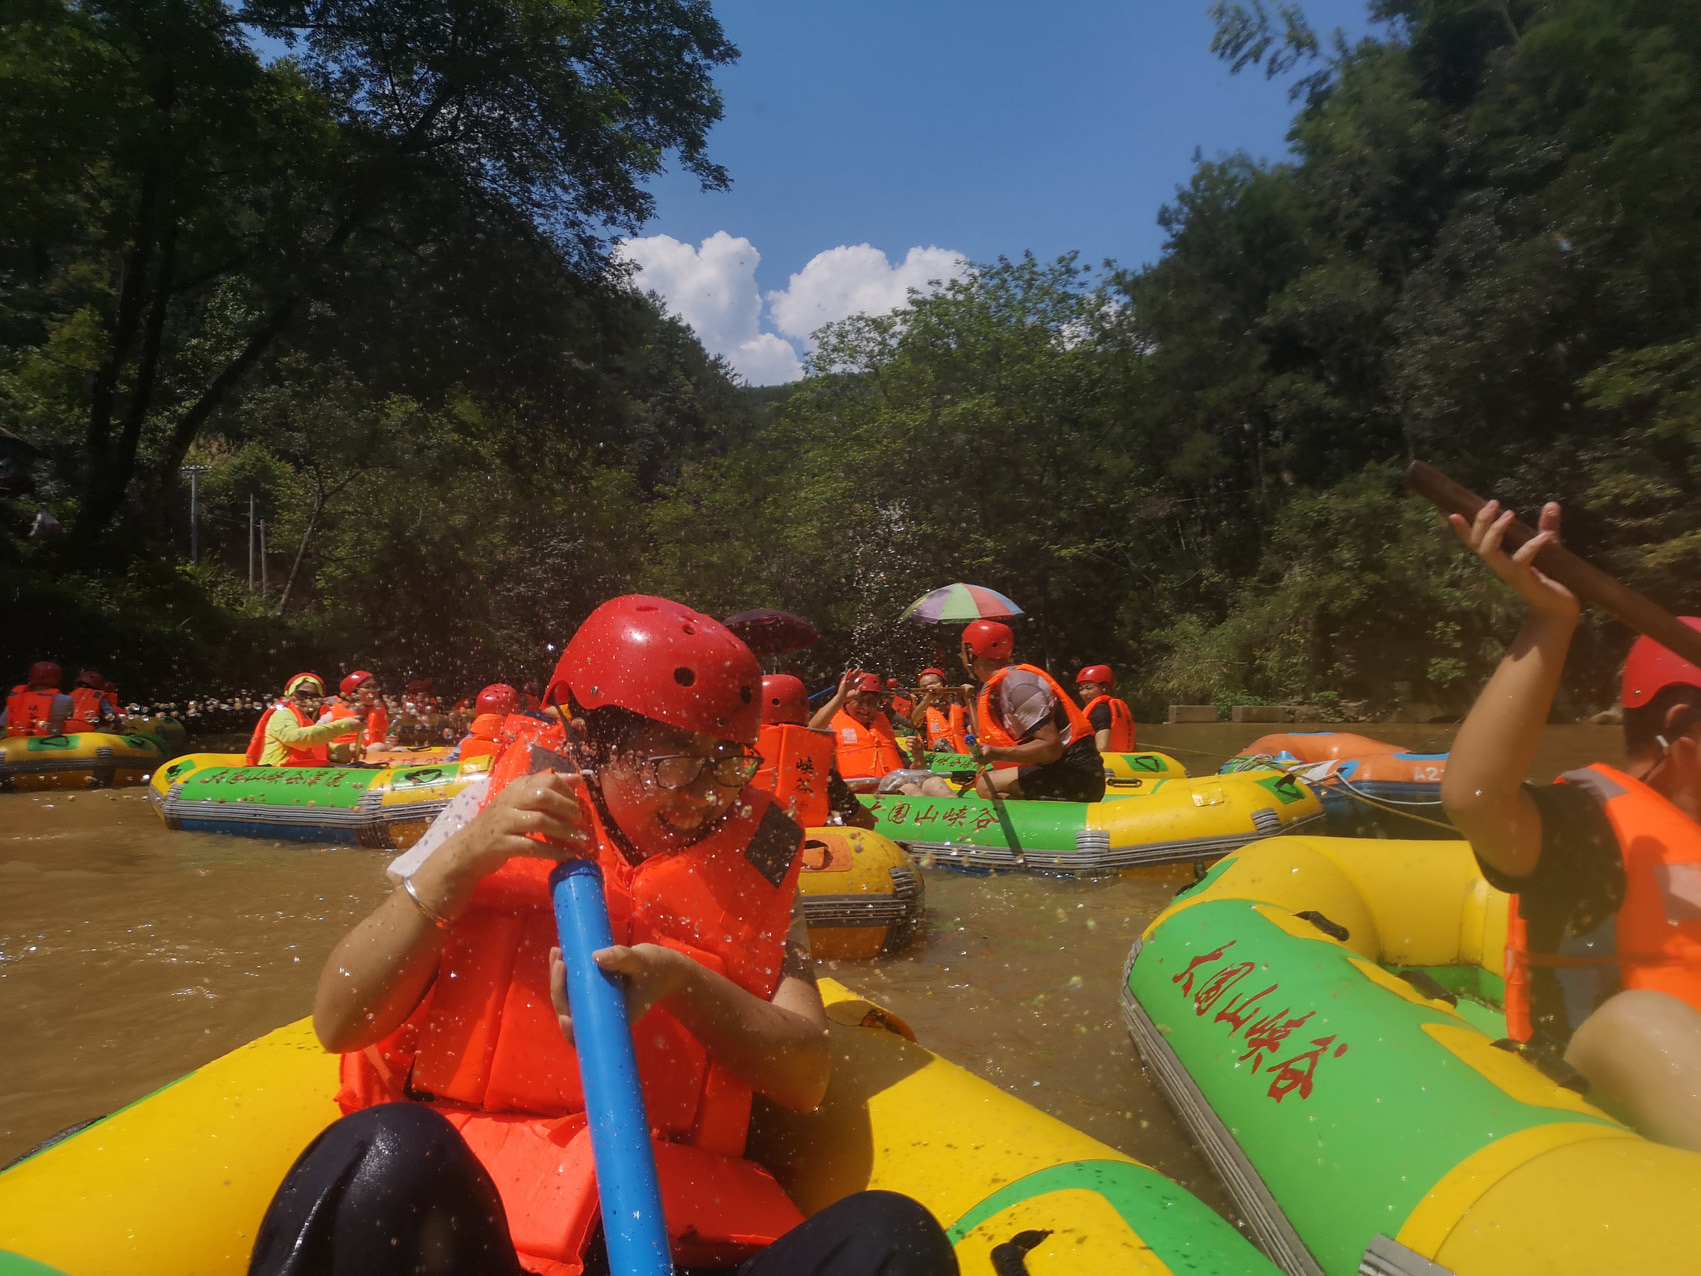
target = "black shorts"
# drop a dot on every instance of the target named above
(1077, 776)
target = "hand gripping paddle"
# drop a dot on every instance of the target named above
(632, 1220)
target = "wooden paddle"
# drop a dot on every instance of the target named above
(1588, 582)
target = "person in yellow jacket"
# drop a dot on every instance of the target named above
(289, 734)
(1606, 864)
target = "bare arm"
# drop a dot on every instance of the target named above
(379, 971)
(1483, 789)
(823, 717)
(778, 1047)
(1102, 739)
(1043, 746)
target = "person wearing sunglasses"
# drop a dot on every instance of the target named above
(465, 1147)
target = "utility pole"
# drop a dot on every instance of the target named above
(265, 584)
(194, 472)
(250, 542)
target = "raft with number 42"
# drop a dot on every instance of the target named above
(178, 1182)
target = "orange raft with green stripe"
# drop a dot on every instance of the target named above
(1324, 1013)
(177, 1183)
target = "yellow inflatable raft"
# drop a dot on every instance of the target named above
(1322, 1012)
(861, 895)
(388, 807)
(176, 1184)
(86, 760)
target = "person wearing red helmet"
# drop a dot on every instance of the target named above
(464, 1147)
(1024, 720)
(38, 707)
(290, 733)
(940, 716)
(494, 706)
(798, 762)
(1112, 719)
(899, 704)
(1604, 953)
(360, 703)
(95, 703)
(866, 745)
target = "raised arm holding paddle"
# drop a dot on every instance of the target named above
(1606, 863)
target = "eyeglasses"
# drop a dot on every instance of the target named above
(678, 770)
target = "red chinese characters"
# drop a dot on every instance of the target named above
(1264, 1033)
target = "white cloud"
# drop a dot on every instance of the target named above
(713, 289)
(848, 280)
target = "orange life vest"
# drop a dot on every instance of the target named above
(1121, 722)
(372, 724)
(30, 711)
(481, 740)
(795, 764)
(991, 730)
(865, 752)
(315, 755)
(903, 706)
(484, 1047)
(1657, 929)
(947, 730)
(87, 707)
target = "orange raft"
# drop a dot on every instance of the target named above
(1369, 787)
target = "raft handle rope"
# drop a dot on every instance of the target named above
(1293, 771)
(1334, 930)
(435, 918)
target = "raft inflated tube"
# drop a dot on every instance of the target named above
(385, 807)
(84, 760)
(178, 1182)
(861, 895)
(634, 1227)
(1135, 770)
(1315, 746)
(1321, 1014)
(1162, 821)
(1120, 769)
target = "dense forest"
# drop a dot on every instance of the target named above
(355, 262)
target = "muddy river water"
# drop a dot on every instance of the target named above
(130, 954)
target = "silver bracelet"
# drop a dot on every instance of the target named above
(436, 919)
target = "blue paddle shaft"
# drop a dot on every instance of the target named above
(632, 1219)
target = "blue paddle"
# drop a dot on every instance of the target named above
(632, 1220)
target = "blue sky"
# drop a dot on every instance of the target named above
(979, 129)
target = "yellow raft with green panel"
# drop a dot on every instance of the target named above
(83, 760)
(176, 1184)
(1323, 1014)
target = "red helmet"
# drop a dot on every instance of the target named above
(784, 699)
(89, 678)
(354, 682)
(990, 639)
(311, 683)
(892, 684)
(931, 669)
(663, 660)
(1100, 674)
(498, 697)
(1650, 668)
(44, 673)
(867, 682)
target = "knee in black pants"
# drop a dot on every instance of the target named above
(868, 1234)
(386, 1191)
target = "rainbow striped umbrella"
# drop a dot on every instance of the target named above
(959, 604)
